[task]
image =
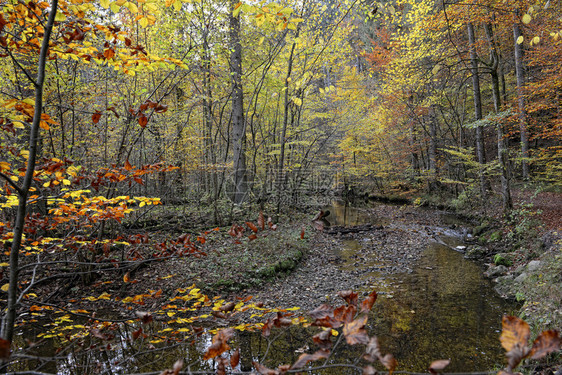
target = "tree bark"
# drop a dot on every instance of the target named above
(477, 109)
(238, 124)
(502, 149)
(520, 73)
(9, 318)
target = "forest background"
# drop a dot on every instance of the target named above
(219, 109)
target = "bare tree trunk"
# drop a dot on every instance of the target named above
(477, 109)
(280, 168)
(502, 149)
(238, 124)
(519, 72)
(9, 318)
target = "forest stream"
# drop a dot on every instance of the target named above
(432, 302)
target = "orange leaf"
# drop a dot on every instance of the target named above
(515, 332)
(127, 277)
(128, 165)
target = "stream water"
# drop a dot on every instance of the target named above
(442, 309)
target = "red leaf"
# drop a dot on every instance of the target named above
(302, 233)
(252, 237)
(96, 117)
(143, 120)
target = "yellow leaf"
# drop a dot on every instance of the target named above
(114, 8)
(177, 5)
(536, 40)
(526, 18)
(104, 3)
(520, 39)
(144, 22)
(66, 182)
(18, 125)
(4, 166)
(60, 17)
(5, 287)
(4, 264)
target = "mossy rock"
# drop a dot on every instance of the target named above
(503, 259)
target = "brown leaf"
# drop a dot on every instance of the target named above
(218, 314)
(252, 226)
(345, 314)
(178, 366)
(261, 221)
(4, 349)
(516, 355)
(252, 237)
(228, 307)
(514, 331)
(547, 342)
(220, 344)
(322, 339)
(349, 296)
(145, 317)
(373, 350)
(389, 362)
(369, 370)
(235, 359)
(321, 311)
(318, 225)
(368, 302)
(264, 370)
(136, 334)
(355, 333)
(438, 365)
(305, 358)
